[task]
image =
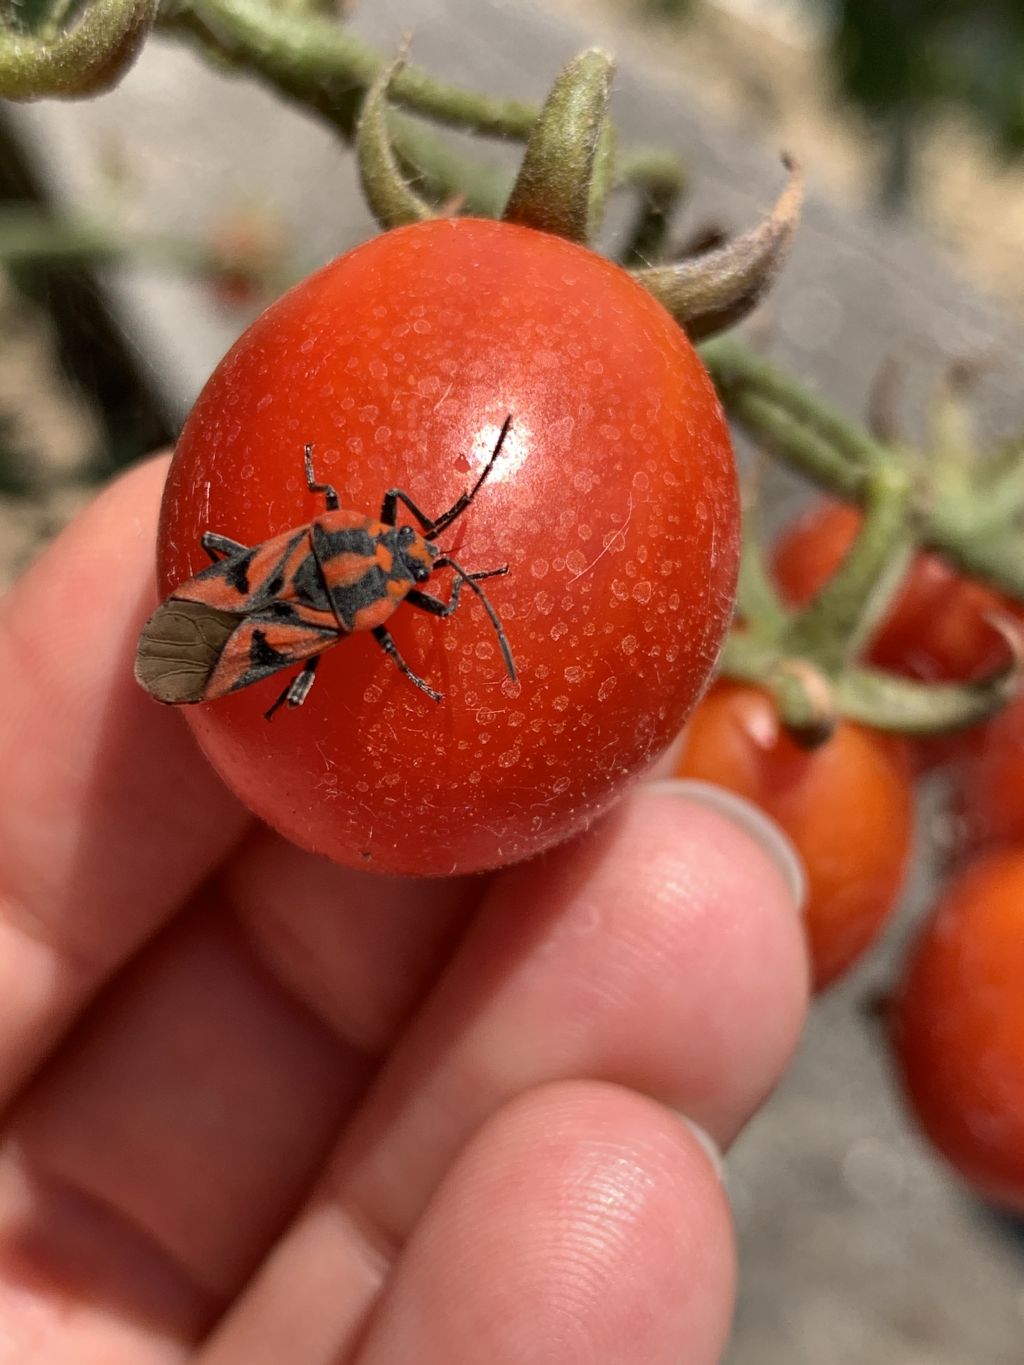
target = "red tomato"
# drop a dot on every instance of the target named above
(613, 501)
(957, 1026)
(990, 784)
(935, 629)
(846, 806)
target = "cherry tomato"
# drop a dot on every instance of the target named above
(846, 806)
(935, 629)
(613, 502)
(957, 1026)
(989, 791)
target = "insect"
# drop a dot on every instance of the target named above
(257, 610)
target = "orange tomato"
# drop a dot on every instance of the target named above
(989, 795)
(936, 629)
(957, 1027)
(846, 806)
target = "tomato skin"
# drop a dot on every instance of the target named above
(935, 629)
(846, 806)
(989, 789)
(957, 1026)
(614, 503)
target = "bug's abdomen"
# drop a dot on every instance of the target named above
(363, 581)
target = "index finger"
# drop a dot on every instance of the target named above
(109, 816)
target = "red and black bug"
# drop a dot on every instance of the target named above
(257, 610)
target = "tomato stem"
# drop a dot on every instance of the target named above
(956, 512)
(84, 59)
(660, 182)
(31, 237)
(322, 63)
(757, 601)
(888, 702)
(841, 619)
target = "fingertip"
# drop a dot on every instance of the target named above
(581, 1217)
(749, 820)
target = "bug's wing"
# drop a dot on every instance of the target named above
(179, 649)
(190, 652)
(266, 642)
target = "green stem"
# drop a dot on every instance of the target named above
(82, 60)
(806, 433)
(740, 371)
(323, 63)
(994, 558)
(802, 694)
(757, 601)
(660, 182)
(792, 442)
(886, 702)
(834, 628)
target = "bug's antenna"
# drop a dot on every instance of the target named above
(457, 508)
(468, 579)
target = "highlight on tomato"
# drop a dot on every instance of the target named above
(957, 1027)
(846, 805)
(613, 502)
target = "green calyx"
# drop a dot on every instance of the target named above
(84, 58)
(569, 168)
(711, 292)
(390, 197)
(565, 174)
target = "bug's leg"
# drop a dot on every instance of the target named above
(330, 496)
(389, 509)
(446, 561)
(297, 690)
(427, 602)
(390, 648)
(432, 529)
(220, 547)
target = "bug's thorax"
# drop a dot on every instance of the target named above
(402, 554)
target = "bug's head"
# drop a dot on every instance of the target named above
(416, 553)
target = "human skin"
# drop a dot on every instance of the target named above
(260, 1108)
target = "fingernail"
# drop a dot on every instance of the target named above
(710, 1146)
(753, 821)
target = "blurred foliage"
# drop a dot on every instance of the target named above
(928, 53)
(671, 9)
(38, 16)
(902, 61)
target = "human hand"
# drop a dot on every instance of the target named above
(261, 1110)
